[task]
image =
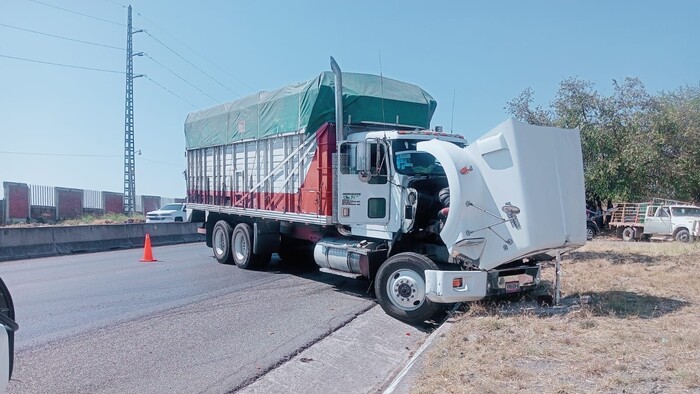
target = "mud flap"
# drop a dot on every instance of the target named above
(266, 237)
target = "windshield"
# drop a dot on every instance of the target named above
(685, 211)
(171, 207)
(408, 161)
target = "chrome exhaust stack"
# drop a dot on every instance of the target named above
(338, 100)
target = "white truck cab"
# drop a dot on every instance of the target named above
(682, 222)
(390, 183)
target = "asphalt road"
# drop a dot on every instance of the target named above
(105, 322)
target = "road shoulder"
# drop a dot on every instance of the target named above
(360, 357)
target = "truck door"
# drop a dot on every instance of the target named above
(363, 183)
(660, 223)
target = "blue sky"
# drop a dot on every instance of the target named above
(483, 52)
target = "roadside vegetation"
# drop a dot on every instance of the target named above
(636, 332)
(110, 218)
(636, 145)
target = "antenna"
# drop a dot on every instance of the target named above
(381, 84)
(452, 121)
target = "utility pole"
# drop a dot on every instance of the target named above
(129, 158)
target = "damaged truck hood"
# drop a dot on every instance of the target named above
(516, 192)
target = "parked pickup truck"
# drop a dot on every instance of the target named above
(176, 212)
(656, 220)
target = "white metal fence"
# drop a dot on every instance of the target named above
(42, 196)
(92, 199)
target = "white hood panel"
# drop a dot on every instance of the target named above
(537, 169)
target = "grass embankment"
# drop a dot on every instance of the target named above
(638, 334)
(110, 218)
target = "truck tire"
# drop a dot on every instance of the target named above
(628, 234)
(242, 246)
(683, 235)
(590, 233)
(221, 242)
(400, 288)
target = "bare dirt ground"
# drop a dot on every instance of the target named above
(637, 334)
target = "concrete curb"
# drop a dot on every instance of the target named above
(32, 242)
(359, 357)
(401, 377)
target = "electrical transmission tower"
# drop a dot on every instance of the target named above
(129, 159)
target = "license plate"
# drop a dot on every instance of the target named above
(512, 287)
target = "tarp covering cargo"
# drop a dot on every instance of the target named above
(306, 106)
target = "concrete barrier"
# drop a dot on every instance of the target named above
(81, 239)
(24, 243)
(31, 242)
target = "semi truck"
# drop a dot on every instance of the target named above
(344, 171)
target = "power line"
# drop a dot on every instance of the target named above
(186, 81)
(170, 91)
(160, 162)
(192, 64)
(81, 155)
(115, 3)
(61, 37)
(190, 48)
(77, 13)
(54, 154)
(61, 64)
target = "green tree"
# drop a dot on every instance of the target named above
(635, 145)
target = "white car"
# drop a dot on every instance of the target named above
(168, 213)
(7, 335)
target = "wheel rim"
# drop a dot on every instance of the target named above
(219, 242)
(240, 246)
(406, 289)
(589, 233)
(684, 237)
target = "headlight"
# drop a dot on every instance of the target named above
(411, 198)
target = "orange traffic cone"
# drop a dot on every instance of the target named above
(147, 252)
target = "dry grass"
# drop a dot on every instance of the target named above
(110, 218)
(638, 334)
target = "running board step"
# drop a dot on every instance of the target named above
(341, 273)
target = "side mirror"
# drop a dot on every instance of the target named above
(364, 175)
(7, 335)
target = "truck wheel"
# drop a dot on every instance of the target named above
(242, 245)
(683, 235)
(628, 234)
(590, 233)
(221, 242)
(400, 288)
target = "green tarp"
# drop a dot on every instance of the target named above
(306, 106)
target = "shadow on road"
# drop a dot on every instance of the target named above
(361, 288)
